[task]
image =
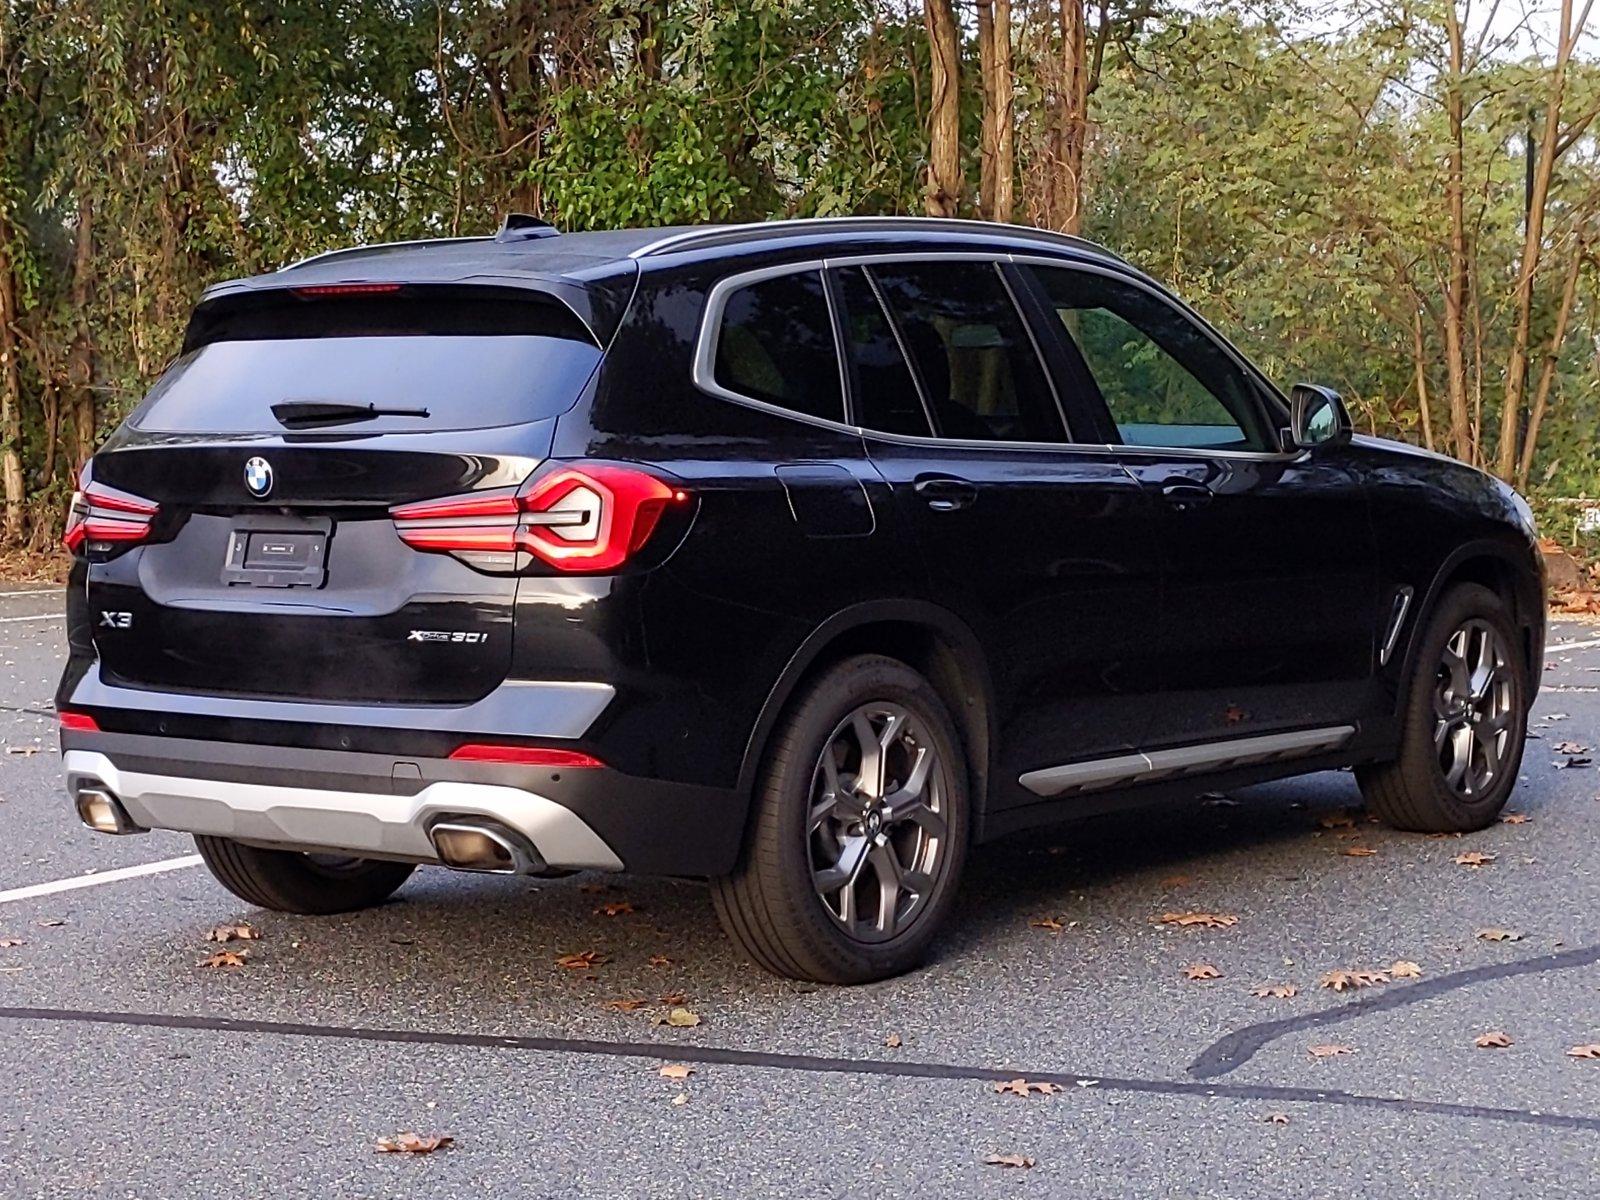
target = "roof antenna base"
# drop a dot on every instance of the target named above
(521, 227)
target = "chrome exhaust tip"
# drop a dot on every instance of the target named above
(103, 812)
(483, 845)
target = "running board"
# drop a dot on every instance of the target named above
(1186, 760)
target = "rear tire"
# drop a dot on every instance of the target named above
(851, 867)
(287, 881)
(1464, 724)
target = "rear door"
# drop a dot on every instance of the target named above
(1045, 548)
(274, 566)
(1270, 616)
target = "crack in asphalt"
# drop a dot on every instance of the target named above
(1232, 1051)
(719, 1056)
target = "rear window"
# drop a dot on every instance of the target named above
(471, 364)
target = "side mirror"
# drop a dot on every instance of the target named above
(1317, 418)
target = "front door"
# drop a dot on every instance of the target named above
(1270, 618)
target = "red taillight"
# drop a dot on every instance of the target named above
(588, 518)
(102, 516)
(527, 756)
(346, 289)
(81, 722)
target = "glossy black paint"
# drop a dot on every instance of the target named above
(1070, 601)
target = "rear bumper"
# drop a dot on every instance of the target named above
(377, 805)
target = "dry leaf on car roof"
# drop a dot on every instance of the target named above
(1515, 818)
(1198, 971)
(1276, 991)
(1494, 1039)
(678, 1018)
(1405, 969)
(1203, 920)
(1588, 1050)
(1329, 1050)
(1008, 1160)
(677, 1071)
(1341, 981)
(233, 933)
(1493, 934)
(1022, 1087)
(1358, 852)
(581, 961)
(615, 908)
(633, 1004)
(1473, 858)
(412, 1143)
(230, 959)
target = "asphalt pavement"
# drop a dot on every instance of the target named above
(127, 1070)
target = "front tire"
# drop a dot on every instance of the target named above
(1465, 720)
(311, 885)
(859, 829)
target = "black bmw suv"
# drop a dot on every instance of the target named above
(799, 556)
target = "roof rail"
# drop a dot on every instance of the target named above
(688, 239)
(382, 246)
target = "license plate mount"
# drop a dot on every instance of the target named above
(271, 550)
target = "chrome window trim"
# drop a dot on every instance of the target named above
(704, 361)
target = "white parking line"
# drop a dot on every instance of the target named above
(55, 591)
(84, 881)
(50, 616)
(1554, 647)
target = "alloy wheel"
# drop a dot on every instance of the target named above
(876, 827)
(1473, 704)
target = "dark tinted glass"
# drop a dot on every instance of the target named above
(1165, 382)
(776, 345)
(978, 366)
(886, 395)
(472, 362)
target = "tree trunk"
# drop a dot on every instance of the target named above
(942, 197)
(11, 481)
(1455, 287)
(79, 397)
(1071, 120)
(1552, 358)
(998, 193)
(1420, 362)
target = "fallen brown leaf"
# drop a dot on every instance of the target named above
(678, 1018)
(615, 908)
(1515, 818)
(412, 1143)
(50, 922)
(892, 1041)
(1574, 761)
(1233, 714)
(1175, 881)
(680, 1100)
(593, 889)
(1204, 920)
(1473, 858)
(1022, 1087)
(24, 751)
(1338, 820)
(229, 959)
(1008, 1160)
(1050, 923)
(1571, 748)
(7, 943)
(672, 998)
(1328, 1051)
(1405, 969)
(1277, 991)
(1493, 934)
(1341, 981)
(1358, 852)
(1494, 1039)
(633, 1004)
(1589, 1050)
(1276, 1118)
(1199, 971)
(581, 961)
(233, 933)
(660, 960)
(676, 1071)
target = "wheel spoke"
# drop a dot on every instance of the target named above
(869, 779)
(886, 865)
(909, 793)
(846, 869)
(1460, 757)
(1455, 663)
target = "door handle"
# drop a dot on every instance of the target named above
(1184, 493)
(945, 493)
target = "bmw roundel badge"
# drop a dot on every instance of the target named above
(258, 477)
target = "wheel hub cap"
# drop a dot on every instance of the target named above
(1474, 699)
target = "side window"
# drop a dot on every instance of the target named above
(775, 344)
(1164, 381)
(886, 396)
(978, 368)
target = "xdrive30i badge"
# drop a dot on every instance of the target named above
(258, 477)
(459, 636)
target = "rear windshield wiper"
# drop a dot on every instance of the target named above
(332, 412)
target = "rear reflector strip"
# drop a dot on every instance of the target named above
(79, 722)
(526, 756)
